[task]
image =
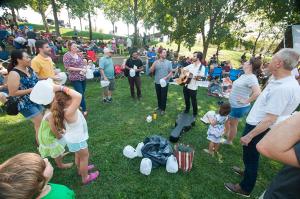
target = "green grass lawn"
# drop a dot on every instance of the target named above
(68, 32)
(113, 126)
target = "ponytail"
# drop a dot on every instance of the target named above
(57, 109)
(256, 66)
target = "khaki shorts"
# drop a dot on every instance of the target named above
(111, 86)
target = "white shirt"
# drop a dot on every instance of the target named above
(295, 72)
(76, 132)
(196, 72)
(129, 42)
(280, 97)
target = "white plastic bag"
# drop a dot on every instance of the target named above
(104, 83)
(132, 72)
(42, 92)
(146, 166)
(89, 74)
(139, 149)
(62, 78)
(163, 83)
(129, 152)
(172, 164)
(209, 115)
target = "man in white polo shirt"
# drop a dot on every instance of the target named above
(278, 100)
(190, 90)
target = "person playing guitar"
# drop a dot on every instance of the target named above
(193, 73)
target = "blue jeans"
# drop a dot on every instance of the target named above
(79, 86)
(251, 160)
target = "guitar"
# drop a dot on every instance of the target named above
(186, 77)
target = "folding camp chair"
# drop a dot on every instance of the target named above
(217, 72)
(91, 55)
(234, 74)
(4, 58)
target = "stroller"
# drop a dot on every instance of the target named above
(119, 73)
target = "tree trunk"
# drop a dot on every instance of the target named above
(178, 46)
(54, 8)
(69, 18)
(255, 43)
(135, 7)
(90, 26)
(113, 24)
(217, 53)
(18, 14)
(128, 29)
(80, 23)
(13, 13)
(270, 46)
(42, 13)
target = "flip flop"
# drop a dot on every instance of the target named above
(91, 177)
(90, 167)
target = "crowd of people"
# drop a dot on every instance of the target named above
(62, 123)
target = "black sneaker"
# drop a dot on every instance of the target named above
(237, 171)
(109, 100)
(104, 100)
(235, 188)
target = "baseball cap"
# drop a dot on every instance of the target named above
(107, 50)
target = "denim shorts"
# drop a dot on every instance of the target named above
(32, 111)
(238, 113)
(75, 147)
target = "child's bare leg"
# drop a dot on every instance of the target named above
(211, 147)
(60, 163)
(216, 147)
(227, 128)
(77, 162)
(83, 163)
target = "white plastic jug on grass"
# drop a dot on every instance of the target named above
(129, 152)
(42, 92)
(172, 164)
(149, 118)
(138, 149)
(146, 166)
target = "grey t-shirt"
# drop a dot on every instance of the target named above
(242, 88)
(162, 69)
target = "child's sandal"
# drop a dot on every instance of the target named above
(91, 177)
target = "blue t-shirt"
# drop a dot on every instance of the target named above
(151, 56)
(107, 65)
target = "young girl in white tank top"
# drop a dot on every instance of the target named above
(71, 123)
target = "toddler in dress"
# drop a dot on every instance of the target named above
(216, 128)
